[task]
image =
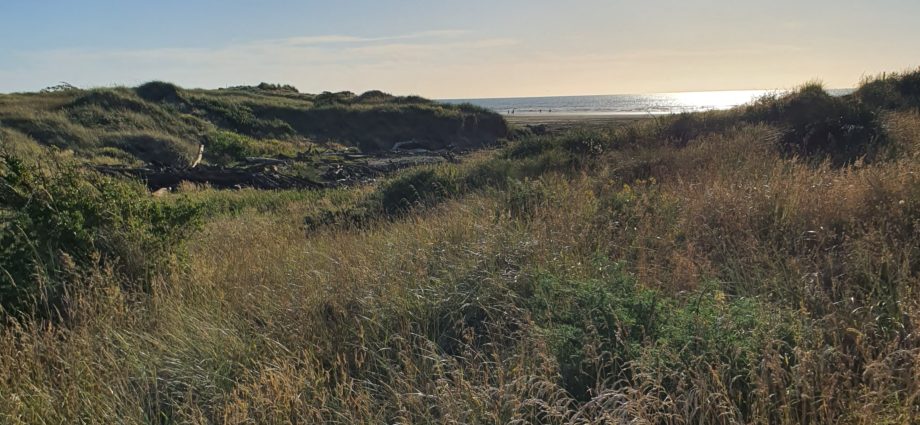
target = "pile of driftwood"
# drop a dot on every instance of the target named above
(336, 169)
(217, 177)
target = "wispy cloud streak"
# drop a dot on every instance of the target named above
(313, 62)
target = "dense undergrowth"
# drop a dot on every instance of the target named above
(162, 124)
(759, 265)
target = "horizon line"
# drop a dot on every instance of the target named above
(632, 94)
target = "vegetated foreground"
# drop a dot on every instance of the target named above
(758, 265)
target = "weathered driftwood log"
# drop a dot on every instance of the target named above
(256, 160)
(199, 157)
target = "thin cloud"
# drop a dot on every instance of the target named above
(343, 39)
(295, 51)
(312, 63)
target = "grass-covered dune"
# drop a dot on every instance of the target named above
(161, 123)
(759, 265)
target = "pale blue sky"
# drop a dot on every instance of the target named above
(473, 48)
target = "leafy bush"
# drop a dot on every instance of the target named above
(492, 173)
(374, 96)
(521, 198)
(417, 187)
(284, 88)
(814, 124)
(224, 147)
(602, 329)
(817, 124)
(594, 327)
(529, 147)
(682, 128)
(159, 91)
(587, 143)
(891, 91)
(328, 98)
(61, 220)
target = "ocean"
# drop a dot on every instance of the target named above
(625, 104)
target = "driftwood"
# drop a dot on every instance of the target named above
(335, 168)
(255, 160)
(199, 157)
(220, 178)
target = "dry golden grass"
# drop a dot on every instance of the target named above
(428, 318)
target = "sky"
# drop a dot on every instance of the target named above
(457, 49)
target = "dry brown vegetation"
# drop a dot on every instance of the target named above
(622, 275)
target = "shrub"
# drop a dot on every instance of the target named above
(417, 187)
(374, 96)
(521, 198)
(585, 143)
(61, 220)
(224, 147)
(817, 124)
(492, 173)
(283, 88)
(595, 326)
(684, 127)
(603, 330)
(328, 98)
(529, 147)
(159, 91)
(891, 91)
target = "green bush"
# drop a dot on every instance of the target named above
(586, 143)
(329, 99)
(891, 91)
(601, 330)
(492, 173)
(521, 198)
(529, 147)
(159, 91)
(682, 128)
(594, 327)
(374, 96)
(413, 188)
(819, 125)
(284, 88)
(224, 147)
(61, 220)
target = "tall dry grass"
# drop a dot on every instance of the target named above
(717, 282)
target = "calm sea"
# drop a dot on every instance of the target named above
(639, 104)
